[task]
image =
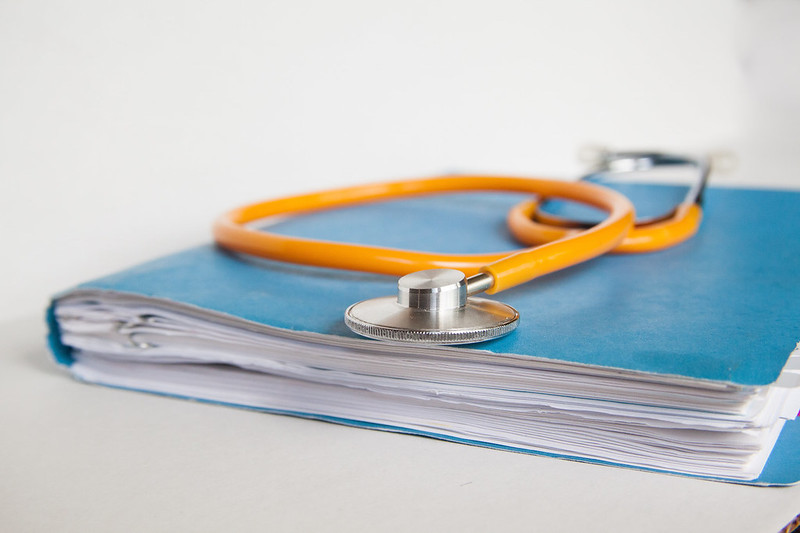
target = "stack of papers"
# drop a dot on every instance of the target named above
(682, 361)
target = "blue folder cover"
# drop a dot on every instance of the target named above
(722, 307)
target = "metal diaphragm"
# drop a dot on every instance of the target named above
(432, 308)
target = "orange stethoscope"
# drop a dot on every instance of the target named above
(435, 303)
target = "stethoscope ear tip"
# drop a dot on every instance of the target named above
(431, 307)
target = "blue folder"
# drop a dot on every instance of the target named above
(723, 306)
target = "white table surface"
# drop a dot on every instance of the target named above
(78, 457)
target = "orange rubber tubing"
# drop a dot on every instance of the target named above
(648, 237)
(507, 269)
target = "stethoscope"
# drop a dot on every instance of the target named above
(435, 302)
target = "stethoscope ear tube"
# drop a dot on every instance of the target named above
(536, 226)
(532, 228)
(507, 270)
(569, 248)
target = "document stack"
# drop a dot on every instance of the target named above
(682, 361)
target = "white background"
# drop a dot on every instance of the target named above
(126, 127)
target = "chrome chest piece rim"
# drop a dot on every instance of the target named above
(432, 307)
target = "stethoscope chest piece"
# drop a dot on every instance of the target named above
(432, 307)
